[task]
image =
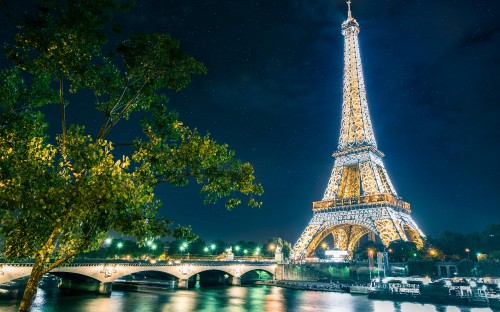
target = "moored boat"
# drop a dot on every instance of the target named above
(441, 292)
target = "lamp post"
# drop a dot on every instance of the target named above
(212, 247)
(370, 262)
(119, 245)
(467, 250)
(108, 243)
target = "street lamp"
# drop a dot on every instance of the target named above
(108, 243)
(432, 252)
(212, 247)
(370, 262)
(119, 245)
(182, 249)
(467, 250)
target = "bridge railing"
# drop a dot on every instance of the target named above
(263, 262)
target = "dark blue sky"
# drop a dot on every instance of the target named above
(274, 93)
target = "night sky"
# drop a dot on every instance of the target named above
(274, 93)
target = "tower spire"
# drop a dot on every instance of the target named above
(349, 16)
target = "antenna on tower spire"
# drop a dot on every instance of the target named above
(349, 16)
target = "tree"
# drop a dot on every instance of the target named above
(402, 251)
(60, 194)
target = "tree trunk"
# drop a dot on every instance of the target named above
(32, 285)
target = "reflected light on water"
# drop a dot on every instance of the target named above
(237, 296)
(183, 300)
(222, 299)
(275, 301)
(39, 300)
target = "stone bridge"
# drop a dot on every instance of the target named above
(104, 274)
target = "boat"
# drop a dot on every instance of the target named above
(360, 290)
(441, 292)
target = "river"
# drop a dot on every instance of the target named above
(220, 299)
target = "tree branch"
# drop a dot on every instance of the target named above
(103, 133)
(63, 109)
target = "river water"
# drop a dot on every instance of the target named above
(220, 299)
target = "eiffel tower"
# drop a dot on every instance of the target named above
(360, 198)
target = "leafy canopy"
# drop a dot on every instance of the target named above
(62, 193)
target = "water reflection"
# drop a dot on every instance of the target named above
(221, 299)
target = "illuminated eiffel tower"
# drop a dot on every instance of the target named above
(360, 198)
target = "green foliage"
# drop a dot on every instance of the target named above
(465, 268)
(402, 251)
(61, 195)
(488, 267)
(455, 245)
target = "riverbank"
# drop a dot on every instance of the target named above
(306, 285)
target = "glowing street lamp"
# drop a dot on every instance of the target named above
(119, 245)
(205, 249)
(467, 250)
(107, 241)
(182, 248)
(432, 252)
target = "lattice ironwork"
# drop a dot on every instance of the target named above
(360, 198)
